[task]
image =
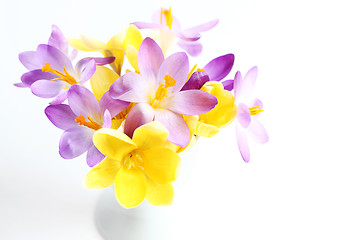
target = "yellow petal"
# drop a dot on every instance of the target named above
(132, 56)
(103, 175)
(159, 194)
(102, 80)
(130, 187)
(119, 58)
(79, 45)
(171, 146)
(150, 135)
(192, 142)
(206, 130)
(133, 37)
(224, 112)
(113, 143)
(93, 43)
(162, 165)
(117, 41)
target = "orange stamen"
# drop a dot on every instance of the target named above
(64, 77)
(255, 110)
(91, 124)
(168, 17)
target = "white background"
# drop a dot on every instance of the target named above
(303, 184)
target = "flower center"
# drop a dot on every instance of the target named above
(133, 160)
(162, 91)
(255, 110)
(64, 77)
(168, 17)
(91, 124)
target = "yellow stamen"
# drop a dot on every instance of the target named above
(91, 124)
(64, 77)
(162, 91)
(191, 71)
(255, 110)
(200, 70)
(168, 17)
(133, 160)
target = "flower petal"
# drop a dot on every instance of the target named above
(177, 66)
(75, 141)
(243, 115)
(179, 132)
(92, 43)
(257, 132)
(162, 165)
(57, 59)
(60, 98)
(83, 102)
(133, 37)
(107, 119)
(61, 116)
(114, 106)
(34, 75)
(102, 80)
(130, 187)
(246, 85)
(206, 130)
(131, 87)
(58, 40)
(47, 88)
(94, 156)
(139, 115)
(196, 81)
(192, 48)
(159, 194)
(150, 135)
(190, 102)
(87, 71)
(228, 85)
(242, 143)
(220, 67)
(30, 60)
(200, 28)
(150, 58)
(113, 143)
(103, 175)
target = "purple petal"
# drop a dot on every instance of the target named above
(237, 82)
(257, 102)
(146, 25)
(99, 61)
(58, 40)
(192, 48)
(34, 75)
(83, 102)
(87, 71)
(220, 67)
(190, 102)
(200, 28)
(177, 66)
(196, 81)
(228, 85)
(107, 119)
(242, 143)
(21, 85)
(94, 156)
(257, 132)
(75, 141)
(60, 98)
(30, 60)
(48, 88)
(243, 115)
(150, 58)
(246, 85)
(57, 59)
(131, 87)
(61, 116)
(186, 38)
(179, 132)
(114, 106)
(139, 115)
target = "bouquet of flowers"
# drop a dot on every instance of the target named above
(132, 123)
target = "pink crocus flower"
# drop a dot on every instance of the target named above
(247, 123)
(156, 90)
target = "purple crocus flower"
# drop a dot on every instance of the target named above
(51, 72)
(170, 27)
(247, 113)
(215, 70)
(80, 119)
(157, 93)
